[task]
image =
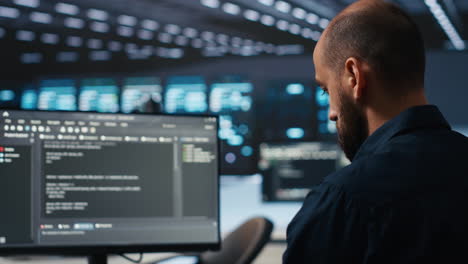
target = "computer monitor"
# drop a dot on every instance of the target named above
(99, 94)
(94, 183)
(291, 169)
(10, 94)
(231, 97)
(287, 111)
(57, 94)
(142, 95)
(186, 94)
(28, 99)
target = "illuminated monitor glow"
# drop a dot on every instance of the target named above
(231, 98)
(99, 95)
(138, 92)
(325, 125)
(29, 99)
(102, 183)
(291, 169)
(7, 95)
(57, 94)
(186, 94)
(288, 111)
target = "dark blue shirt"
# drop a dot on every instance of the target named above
(404, 199)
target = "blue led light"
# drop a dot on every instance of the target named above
(295, 89)
(230, 158)
(331, 126)
(323, 128)
(323, 115)
(247, 151)
(29, 100)
(321, 97)
(295, 133)
(243, 129)
(7, 95)
(235, 140)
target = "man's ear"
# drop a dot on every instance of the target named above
(355, 80)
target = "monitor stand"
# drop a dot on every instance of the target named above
(97, 259)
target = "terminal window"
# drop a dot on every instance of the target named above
(95, 179)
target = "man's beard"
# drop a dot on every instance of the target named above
(352, 127)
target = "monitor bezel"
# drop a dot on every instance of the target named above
(77, 250)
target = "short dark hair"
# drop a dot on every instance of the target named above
(384, 36)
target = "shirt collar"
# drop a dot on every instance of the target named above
(413, 118)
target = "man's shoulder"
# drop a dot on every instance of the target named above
(398, 174)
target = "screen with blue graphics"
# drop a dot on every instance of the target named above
(186, 94)
(231, 97)
(57, 95)
(141, 92)
(99, 95)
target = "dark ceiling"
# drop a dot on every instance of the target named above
(40, 30)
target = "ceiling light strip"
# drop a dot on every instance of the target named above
(445, 24)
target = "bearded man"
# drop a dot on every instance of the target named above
(404, 198)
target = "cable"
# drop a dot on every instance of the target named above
(140, 258)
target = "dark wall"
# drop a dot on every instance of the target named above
(447, 85)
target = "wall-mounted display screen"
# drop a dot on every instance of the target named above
(287, 111)
(186, 94)
(291, 169)
(57, 94)
(231, 97)
(141, 94)
(99, 94)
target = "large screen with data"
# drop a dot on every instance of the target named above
(297, 143)
(74, 179)
(99, 95)
(231, 97)
(291, 169)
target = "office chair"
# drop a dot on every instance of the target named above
(241, 246)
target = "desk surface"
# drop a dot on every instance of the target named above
(271, 254)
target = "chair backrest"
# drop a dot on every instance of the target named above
(242, 245)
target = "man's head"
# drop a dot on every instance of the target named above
(371, 61)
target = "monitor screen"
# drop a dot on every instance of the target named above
(76, 181)
(99, 95)
(291, 169)
(186, 94)
(28, 98)
(287, 111)
(10, 94)
(57, 94)
(326, 129)
(231, 99)
(139, 94)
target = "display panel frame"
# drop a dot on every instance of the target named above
(99, 250)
